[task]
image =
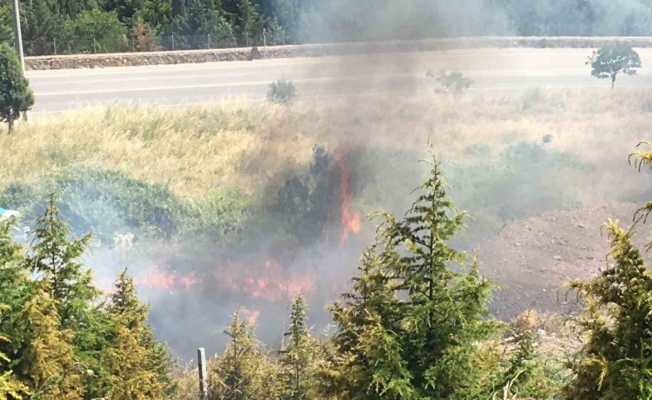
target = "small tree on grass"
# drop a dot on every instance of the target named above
(609, 61)
(15, 95)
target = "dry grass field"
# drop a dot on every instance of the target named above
(193, 149)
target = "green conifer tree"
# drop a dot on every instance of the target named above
(10, 387)
(15, 95)
(409, 327)
(616, 362)
(13, 277)
(139, 368)
(244, 371)
(47, 365)
(297, 361)
(248, 24)
(54, 259)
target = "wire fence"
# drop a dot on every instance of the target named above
(170, 42)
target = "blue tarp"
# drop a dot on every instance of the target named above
(2, 211)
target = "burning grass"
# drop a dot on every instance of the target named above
(262, 202)
(195, 149)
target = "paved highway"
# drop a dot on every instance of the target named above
(398, 74)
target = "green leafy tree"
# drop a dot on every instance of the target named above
(410, 326)
(244, 371)
(609, 61)
(298, 359)
(95, 31)
(124, 9)
(156, 13)
(47, 365)
(139, 367)
(15, 95)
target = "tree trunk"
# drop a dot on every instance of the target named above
(10, 123)
(613, 80)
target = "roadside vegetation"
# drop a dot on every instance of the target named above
(414, 324)
(249, 180)
(281, 91)
(93, 26)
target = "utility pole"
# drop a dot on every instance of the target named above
(18, 36)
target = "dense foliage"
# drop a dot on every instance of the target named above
(63, 340)
(609, 61)
(615, 363)
(15, 95)
(64, 26)
(414, 326)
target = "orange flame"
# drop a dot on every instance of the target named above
(155, 278)
(273, 284)
(351, 220)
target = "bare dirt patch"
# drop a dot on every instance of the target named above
(534, 258)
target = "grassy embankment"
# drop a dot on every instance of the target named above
(203, 164)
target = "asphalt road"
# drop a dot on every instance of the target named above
(506, 70)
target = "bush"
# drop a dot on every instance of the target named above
(107, 203)
(95, 32)
(452, 82)
(281, 92)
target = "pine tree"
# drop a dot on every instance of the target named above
(410, 323)
(54, 259)
(248, 24)
(616, 363)
(13, 277)
(41, 27)
(10, 387)
(15, 95)
(138, 367)
(244, 371)
(198, 23)
(47, 365)
(365, 348)
(298, 358)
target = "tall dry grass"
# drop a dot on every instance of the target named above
(194, 149)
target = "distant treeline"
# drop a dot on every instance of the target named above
(87, 26)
